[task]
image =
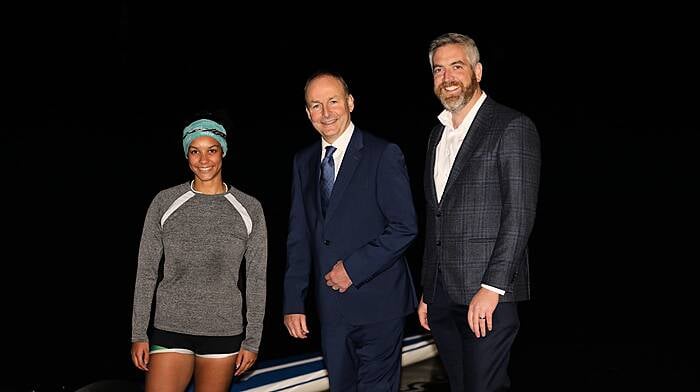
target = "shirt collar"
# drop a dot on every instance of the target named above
(341, 143)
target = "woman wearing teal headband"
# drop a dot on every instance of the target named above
(204, 229)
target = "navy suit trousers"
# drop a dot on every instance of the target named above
(363, 358)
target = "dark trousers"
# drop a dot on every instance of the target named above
(473, 364)
(363, 357)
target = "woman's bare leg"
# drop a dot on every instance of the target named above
(214, 374)
(169, 372)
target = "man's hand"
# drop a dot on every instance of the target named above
(338, 279)
(423, 314)
(480, 313)
(296, 325)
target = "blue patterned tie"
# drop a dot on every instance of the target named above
(327, 177)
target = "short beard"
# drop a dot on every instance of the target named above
(456, 103)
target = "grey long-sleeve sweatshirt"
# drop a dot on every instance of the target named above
(204, 239)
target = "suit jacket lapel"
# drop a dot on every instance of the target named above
(347, 168)
(435, 136)
(315, 179)
(476, 132)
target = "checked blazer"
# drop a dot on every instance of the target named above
(478, 232)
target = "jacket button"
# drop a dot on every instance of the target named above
(437, 243)
(438, 214)
(326, 242)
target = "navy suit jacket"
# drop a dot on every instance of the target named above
(369, 224)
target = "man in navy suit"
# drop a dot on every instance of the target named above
(481, 180)
(351, 220)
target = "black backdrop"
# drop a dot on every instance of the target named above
(96, 97)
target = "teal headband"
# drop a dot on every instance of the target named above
(204, 127)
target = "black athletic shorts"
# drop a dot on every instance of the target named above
(166, 341)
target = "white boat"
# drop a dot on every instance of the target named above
(307, 373)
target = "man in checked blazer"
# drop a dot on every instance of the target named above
(481, 182)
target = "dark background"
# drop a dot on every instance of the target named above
(96, 97)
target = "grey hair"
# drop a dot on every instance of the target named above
(459, 39)
(331, 74)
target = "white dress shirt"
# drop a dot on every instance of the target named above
(341, 145)
(449, 144)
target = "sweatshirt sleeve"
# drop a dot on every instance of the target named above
(150, 253)
(256, 278)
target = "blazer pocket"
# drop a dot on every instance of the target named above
(481, 240)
